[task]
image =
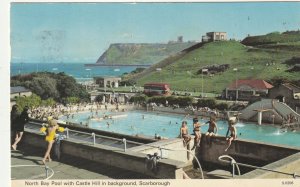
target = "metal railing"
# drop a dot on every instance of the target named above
(95, 136)
(237, 164)
(92, 136)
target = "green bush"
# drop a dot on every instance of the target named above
(138, 99)
(157, 99)
(210, 103)
(222, 106)
(48, 102)
(128, 83)
(32, 101)
(73, 100)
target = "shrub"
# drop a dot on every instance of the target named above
(157, 99)
(222, 106)
(128, 83)
(48, 102)
(210, 103)
(73, 100)
(138, 99)
(32, 101)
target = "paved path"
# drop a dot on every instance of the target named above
(67, 168)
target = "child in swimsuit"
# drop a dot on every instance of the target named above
(184, 133)
(197, 132)
(233, 133)
(212, 129)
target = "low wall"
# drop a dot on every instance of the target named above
(244, 151)
(290, 164)
(129, 160)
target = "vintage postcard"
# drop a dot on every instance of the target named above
(149, 93)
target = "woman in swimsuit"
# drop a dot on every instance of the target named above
(197, 132)
(50, 137)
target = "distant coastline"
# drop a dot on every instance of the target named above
(114, 65)
(76, 70)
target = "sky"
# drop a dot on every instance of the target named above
(81, 32)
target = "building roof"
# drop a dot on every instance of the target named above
(216, 32)
(256, 84)
(18, 89)
(292, 87)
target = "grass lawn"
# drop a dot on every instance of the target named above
(250, 62)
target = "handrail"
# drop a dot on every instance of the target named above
(106, 137)
(282, 108)
(160, 148)
(96, 135)
(233, 162)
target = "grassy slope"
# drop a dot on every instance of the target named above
(182, 73)
(142, 53)
(272, 38)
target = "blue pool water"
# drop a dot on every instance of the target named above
(167, 125)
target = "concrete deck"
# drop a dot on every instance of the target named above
(66, 168)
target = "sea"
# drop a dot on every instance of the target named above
(76, 70)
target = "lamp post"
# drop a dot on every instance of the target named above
(86, 82)
(159, 70)
(203, 70)
(236, 93)
(252, 69)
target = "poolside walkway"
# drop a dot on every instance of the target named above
(26, 164)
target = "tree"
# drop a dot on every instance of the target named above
(73, 100)
(276, 81)
(50, 85)
(32, 101)
(45, 87)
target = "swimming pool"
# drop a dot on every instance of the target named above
(168, 125)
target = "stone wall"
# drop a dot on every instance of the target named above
(290, 164)
(250, 152)
(129, 160)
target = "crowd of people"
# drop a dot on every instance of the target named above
(43, 113)
(51, 115)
